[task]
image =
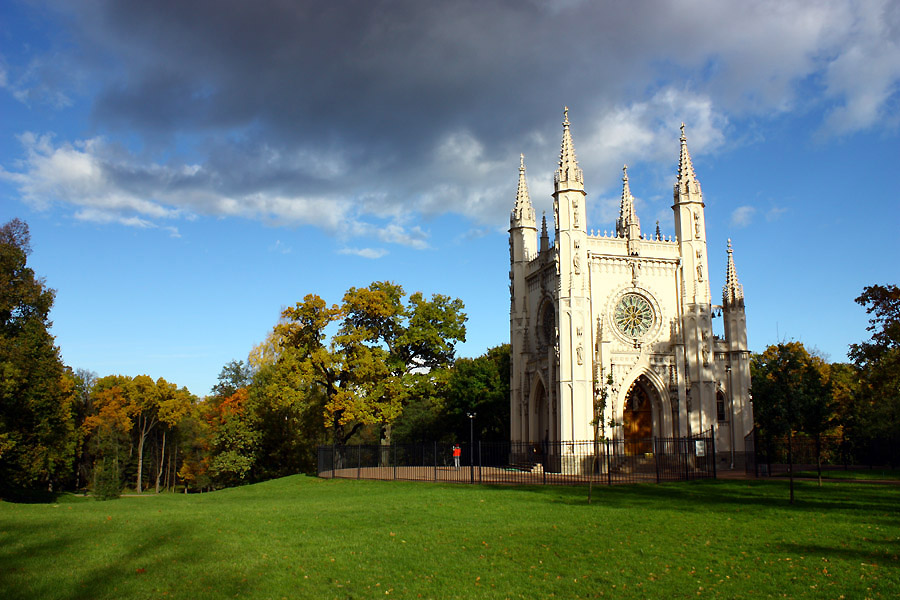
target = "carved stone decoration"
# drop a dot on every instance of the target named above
(579, 354)
(575, 212)
(577, 259)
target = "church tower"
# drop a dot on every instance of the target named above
(522, 249)
(573, 314)
(690, 231)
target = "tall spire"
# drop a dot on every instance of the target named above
(732, 292)
(627, 216)
(687, 180)
(568, 163)
(523, 212)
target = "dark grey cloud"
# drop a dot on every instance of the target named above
(386, 108)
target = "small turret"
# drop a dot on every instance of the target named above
(687, 181)
(569, 176)
(732, 292)
(545, 237)
(628, 225)
(522, 214)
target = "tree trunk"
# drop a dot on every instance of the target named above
(140, 461)
(791, 461)
(162, 461)
(146, 426)
(819, 457)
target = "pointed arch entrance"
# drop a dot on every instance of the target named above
(638, 416)
(539, 430)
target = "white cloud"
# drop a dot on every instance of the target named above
(742, 216)
(774, 213)
(372, 253)
(280, 248)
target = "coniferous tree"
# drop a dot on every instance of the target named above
(37, 432)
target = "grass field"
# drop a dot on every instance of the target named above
(876, 474)
(301, 537)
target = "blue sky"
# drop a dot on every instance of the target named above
(188, 169)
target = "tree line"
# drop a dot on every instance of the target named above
(799, 397)
(379, 367)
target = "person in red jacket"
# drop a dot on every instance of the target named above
(457, 452)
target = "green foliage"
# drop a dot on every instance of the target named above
(234, 440)
(302, 537)
(233, 377)
(366, 372)
(480, 385)
(37, 394)
(289, 414)
(790, 391)
(878, 360)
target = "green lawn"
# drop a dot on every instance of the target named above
(876, 474)
(300, 537)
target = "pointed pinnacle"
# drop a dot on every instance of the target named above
(523, 212)
(732, 292)
(568, 162)
(685, 167)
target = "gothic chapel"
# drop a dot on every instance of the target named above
(626, 315)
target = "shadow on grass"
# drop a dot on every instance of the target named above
(727, 495)
(23, 496)
(886, 552)
(143, 563)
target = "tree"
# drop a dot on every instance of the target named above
(234, 440)
(878, 359)
(233, 377)
(366, 372)
(37, 433)
(481, 386)
(108, 429)
(288, 413)
(174, 405)
(789, 394)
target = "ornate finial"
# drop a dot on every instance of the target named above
(523, 212)
(686, 181)
(733, 291)
(627, 215)
(568, 164)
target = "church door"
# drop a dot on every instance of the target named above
(638, 418)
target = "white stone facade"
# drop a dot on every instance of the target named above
(626, 317)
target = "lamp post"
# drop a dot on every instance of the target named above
(471, 416)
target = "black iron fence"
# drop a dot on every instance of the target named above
(605, 461)
(769, 455)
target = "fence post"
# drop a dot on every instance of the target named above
(358, 460)
(435, 461)
(333, 452)
(608, 465)
(479, 461)
(656, 457)
(715, 459)
(684, 444)
(394, 448)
